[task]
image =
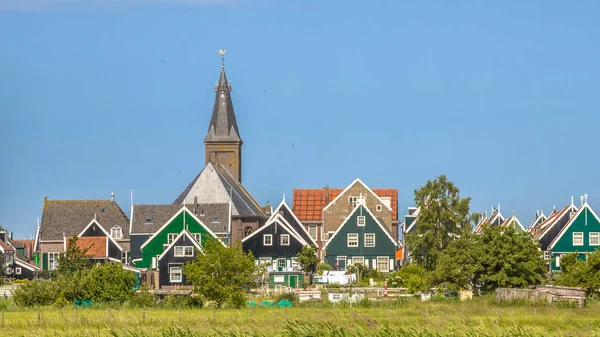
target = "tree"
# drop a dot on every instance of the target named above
(110, 283)
(74, 259)
(307, 259)
(497, 257)
(221, 274)
(579, 273)
(443, 216)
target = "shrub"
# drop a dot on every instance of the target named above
(237, 299)
(322, 267)
(142, 299)
(34, 293)
(288, 297)
(110, 283)
(60, 302)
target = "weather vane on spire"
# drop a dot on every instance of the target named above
(222, 52)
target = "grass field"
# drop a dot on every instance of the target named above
(480, 317)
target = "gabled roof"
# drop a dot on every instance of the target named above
(286, 212)
(187, 234)
(481, 222)
(415, 215)
(215, 185)
(68, 217)
(357, 181)
(495, 219)
(571, 220)
(554, 219)
(280, 221)
(308, 204)
(508, 221)
(540, 217)
(4, 247)
(94, 222)
(361, 207)
(215, 216)
(24, 264)
(223, 125)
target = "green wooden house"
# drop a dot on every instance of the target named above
(361, 238)
(292, 279)
(515, 224)
(155, 246)
(581, 234)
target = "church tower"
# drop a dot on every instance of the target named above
(222, 143)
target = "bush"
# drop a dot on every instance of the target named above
(237, 299)
(142, 299)
(38, 292)
(322, 267)
(110, 283)
(60, 302)
(288, 297)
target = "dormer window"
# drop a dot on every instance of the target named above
(116, 232)
(102, 210)
(149, 220)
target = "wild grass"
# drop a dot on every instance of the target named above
(480, 317)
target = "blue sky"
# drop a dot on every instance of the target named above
(101, 96)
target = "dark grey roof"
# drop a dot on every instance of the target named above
(286, 212)
(223, 125)
(214, 216)
(70, 217)
(215, 185)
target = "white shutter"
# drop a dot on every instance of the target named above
(391, 264)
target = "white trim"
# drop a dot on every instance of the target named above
(115, 260)
(514, 218)
(355, 235)
(131, 220)
(281, 237)
(265, 236)
(107, 247)
(119, 228)
(37, 237)
(564, 230)
(384, 229)
(582, 239)
(590, 238)
(190, 213)
(103, 231)
(357, 180)
(283, 224)
(533, 224)
(358, 221)
(284, 204)
(26, 265)
(416, 215)
(180, 267)
(186, 233)
(558, 216)
(365, 240)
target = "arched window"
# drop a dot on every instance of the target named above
(247, 231)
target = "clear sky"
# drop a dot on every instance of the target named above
(100, 96)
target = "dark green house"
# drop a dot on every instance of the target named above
(155, 246)
(581, 234)
(361, 238)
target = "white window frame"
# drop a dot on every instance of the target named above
(53, 260)
(280, 264)
(184, 251)
(579, 234)
(380, 262)
(175, 274)
(310, 229)
(361, 220)
(379, 208)
(171, 237)
(352, 200)
(17, 270)
(284, 240)
(367, 237)
(116, 232)
(197, 237)
(124, 257)
(596, 238)
(358, 260)
(352, 240)
(546, 255)
(270, 237)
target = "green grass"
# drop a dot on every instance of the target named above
(411, 318)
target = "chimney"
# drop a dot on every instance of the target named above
(581, 198)
(498, 208)
(585, 196)
(45, 199)
(326, 188)
(112, 196)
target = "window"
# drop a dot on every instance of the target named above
(285, 239)
(577, 238)
(148, 220)
(369, 240)
(170, 238)
(247, 231)
(312, 231)
(175, 275)
(124, 257)
(378, 208)
(546, 255)
(352, 201)
(52, 261)
(383, 263)
(295, 265)
(358, 260)
(18, 271)
(116, 232)
(281, 263)
(352, 240)
(267, 240)
(264, 260)
(184, 251)
(360, 221)
(196, 237)
(594, 238)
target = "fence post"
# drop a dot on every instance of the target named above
(427, 312)
(215, 316)
(534, 314)
(250, 312)
(355, 313)
(3, 319)
(76, 320)
(143, 316)
(286, 316)
(39, 317)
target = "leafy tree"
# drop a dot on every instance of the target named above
(322, 267)
(458, 266)
(579, 273)
(412, 277)
(74, 258)
(110, 283)
(443, 216)
(36, 293)
(307, 258)
(221, 274)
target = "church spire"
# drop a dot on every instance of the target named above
(223, 125)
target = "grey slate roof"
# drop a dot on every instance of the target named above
(214, 216)
(286, 212)
(215, 185)
(223, 125)
(70, 217)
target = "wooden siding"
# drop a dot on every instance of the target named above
(169, 259)
(584, 222)
(276, 250)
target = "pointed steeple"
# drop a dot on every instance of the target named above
(223, 125)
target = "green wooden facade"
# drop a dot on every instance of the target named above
(157, 243)
(287, 279)
(581, 234)
(515, 224)
(339, 251)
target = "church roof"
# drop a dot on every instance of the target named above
(215, 185)
(147, 219)
(223, 125)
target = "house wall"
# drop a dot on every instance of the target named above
(283, 279)
(548, 237)
(337, 212)
(585, 222)
(239, 224)
(169, 260)
(276, 250)
(136, 241)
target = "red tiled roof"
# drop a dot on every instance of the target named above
(308, 204)
(96, 245)
(6, 247)
(27, 244)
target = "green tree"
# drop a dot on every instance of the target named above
(458, 266)
(221, 274)
(74, 258)
(443, 216)
(581, 273)
(307, 259)
(411, 277)
(110, 283)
